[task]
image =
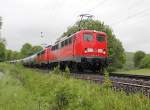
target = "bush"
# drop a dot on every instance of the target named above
(138, 56)
(2, 51)
(107, 82)
(57, 70)
(145, 63)
(67, 72)
(111, 68)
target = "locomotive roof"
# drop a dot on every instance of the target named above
(66, 37)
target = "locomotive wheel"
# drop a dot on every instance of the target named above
(49, 66)
(94, 67)
(79, 68)
(93, 70)
(70, 66)
(62, 66)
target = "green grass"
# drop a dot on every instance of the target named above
(135, 71)
(139, 72)
(27, 89)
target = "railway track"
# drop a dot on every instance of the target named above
(125, 82)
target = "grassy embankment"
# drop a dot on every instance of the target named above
(27, 89)
(139, 72)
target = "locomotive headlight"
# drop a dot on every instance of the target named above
(90, 50)
(104, 52)
(100, 50)
(85, 50)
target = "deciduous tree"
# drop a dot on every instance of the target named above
(2, 51)
(36, 49)
(26, 50)
(145, 62)
(138, 56)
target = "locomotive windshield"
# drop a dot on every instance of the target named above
(100, 38)
(88, 37)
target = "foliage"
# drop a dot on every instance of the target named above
(118, 55)
(107, 82)
(138, 56)
(16, 55)
(26, 89)
(145, 62)
(57, 70)
(36, 49)
(116, 49)
(2, 40)
(9, 55)
(67, 72)
(26, 50)
(2, 51)
(12, 55)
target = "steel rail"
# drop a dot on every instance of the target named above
(125, 75)
(118, 85)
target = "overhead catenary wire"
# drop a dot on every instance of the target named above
(89, 10)
(129, 8)
(97, 5)
(131, 16)
(126, 18)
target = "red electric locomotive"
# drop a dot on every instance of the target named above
(86, 49)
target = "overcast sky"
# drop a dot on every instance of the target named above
(23, 20)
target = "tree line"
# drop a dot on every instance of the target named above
(8, 55)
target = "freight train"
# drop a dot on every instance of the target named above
(85, 49)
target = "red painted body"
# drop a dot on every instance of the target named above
(78, 47)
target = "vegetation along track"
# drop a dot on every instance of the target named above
(126, 82)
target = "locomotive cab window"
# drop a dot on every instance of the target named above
(42, 52)
(70, 40)
(100, 38)
(62, 44)
(88, 37)
(66, 42)
(55, 47)
(38, 54)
